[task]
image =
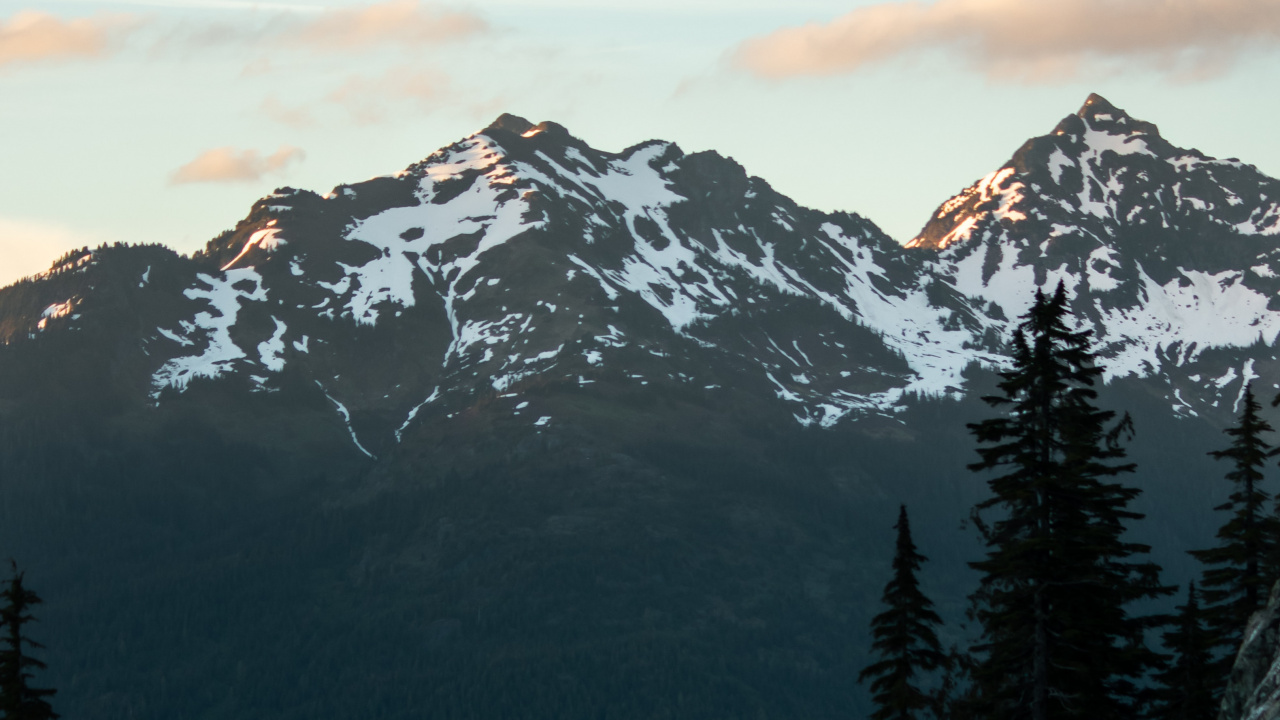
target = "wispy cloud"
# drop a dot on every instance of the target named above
(366, 99)
(294, 117)
(227, 164)
(253, 5)
(369, 99)
(406, 23)
(33, 36)
(269, 29)
(1026, 40)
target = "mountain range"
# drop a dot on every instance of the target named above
(579, 424)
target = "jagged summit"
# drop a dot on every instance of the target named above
(516, 125)
(1170, 255)
(1095, 105)
(1108, 167)
(521, 256)
(510, 123)
(1099, 114)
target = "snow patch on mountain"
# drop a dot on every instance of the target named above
(435, 395)
(1189, 314)
(55, 311)
(346, 419)
(271, 352)
(405, 235)
(267, 238)
(1001, 188)
(224, 296)
(1264, 221)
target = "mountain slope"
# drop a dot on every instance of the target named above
(1170, 255)
(522, 255)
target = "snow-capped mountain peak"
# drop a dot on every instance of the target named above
(1168, 253)
(520, 256)
(520, 264)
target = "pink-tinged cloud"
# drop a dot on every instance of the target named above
(294, 117)
(226, 164)
(1026, 40)
(371, 99)
(398, 22)
(33, 36)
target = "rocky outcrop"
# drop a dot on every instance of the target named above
(1253, 691)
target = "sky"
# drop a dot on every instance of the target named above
(161, 121)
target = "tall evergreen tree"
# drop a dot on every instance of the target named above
(18, 700)
(904, 637)
(1058, 639)
(1241, 569)
(1188, 689)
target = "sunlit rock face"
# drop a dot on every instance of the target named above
(1253, 691)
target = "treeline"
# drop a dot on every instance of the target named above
(1058, 603)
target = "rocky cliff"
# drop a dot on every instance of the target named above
(1254, 689)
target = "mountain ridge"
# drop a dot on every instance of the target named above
(692, 252)
(533, 430)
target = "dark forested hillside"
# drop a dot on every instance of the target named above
(189, 574)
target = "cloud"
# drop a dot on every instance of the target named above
(270, 30)
(1026, 40)
(407, 23)
(367, 99)
(33, 36)
(294, 117)
(226, 164)
(28, 247)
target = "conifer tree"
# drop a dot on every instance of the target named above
(1241, 568)
(904, 637)
(18, 700)
(1058, 639)
(1188, 689)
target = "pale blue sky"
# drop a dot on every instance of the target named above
(90, 144)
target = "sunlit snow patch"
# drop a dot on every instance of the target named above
(55, 311)
(265, 239)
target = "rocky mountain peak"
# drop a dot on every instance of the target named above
(1095, 104)
(519, 257)
(510, 123)
(1131, 224)
(516, 125)
(1100, 116)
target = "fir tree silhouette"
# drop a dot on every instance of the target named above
(904, 637)
(1058, 639)
(1188, 689)
(18, 700)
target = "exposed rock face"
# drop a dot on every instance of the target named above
(1254, 689)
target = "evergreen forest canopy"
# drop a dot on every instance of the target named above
(1061, 596)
